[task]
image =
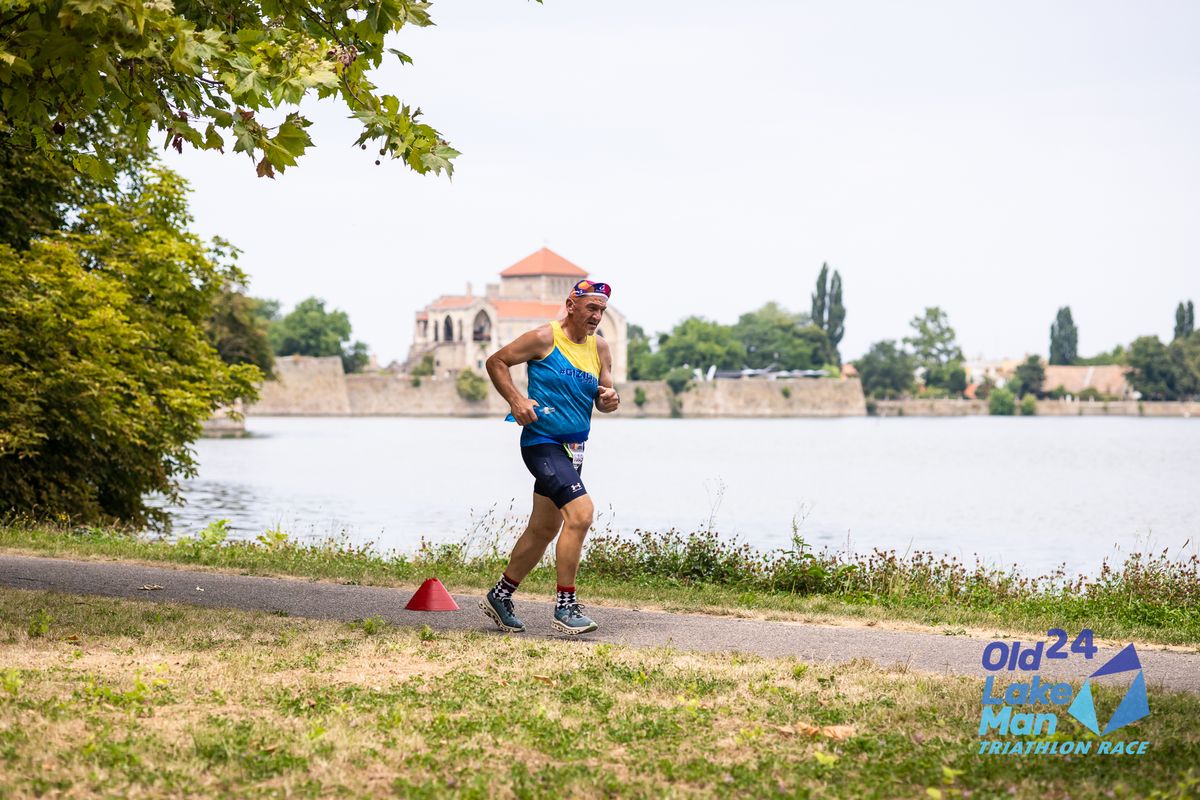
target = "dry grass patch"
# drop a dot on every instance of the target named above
(119, 698)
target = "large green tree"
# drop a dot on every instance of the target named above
(310, 330)
(1185, 320)
(1152, 371)
(835, 322)
(820, 297)
(774, 337)
(106, 374)
(1064, 338)
(935, 348)
(644, 363)
(209, 75)
(828, 310)
(701, 343)
(1185, 363)
(886, 370)
(1029, 377)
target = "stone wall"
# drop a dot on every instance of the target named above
(929, 408)
(386, 394)
(317, 387)
(807, 397)
(1116, 408)
(304, 386)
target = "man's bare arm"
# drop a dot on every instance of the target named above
(535, 344)
(607, 399)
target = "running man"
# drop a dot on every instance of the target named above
(570, 370)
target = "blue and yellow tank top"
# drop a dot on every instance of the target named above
(564, 386)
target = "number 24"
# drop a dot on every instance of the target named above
(1082, 644)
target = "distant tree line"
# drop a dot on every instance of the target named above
(772, 337)
(929, 362)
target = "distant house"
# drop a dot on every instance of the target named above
(998, 371)
(462, 330)
(1108, 379)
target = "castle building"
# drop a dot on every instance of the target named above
(461, 330)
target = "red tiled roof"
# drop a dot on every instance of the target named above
(422, 315)
(527, 309)
(453, 301)
(1106, 378)
(544, 262)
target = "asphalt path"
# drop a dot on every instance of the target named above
(823, 644)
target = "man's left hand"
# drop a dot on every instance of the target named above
(608, 399)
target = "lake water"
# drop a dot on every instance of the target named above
(1031, 491)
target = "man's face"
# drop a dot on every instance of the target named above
(587, 311)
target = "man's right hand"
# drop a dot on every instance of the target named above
(524, 411)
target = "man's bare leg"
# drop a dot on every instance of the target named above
(577, 519)
(544, 522)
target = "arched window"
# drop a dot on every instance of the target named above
(481, 328)
(447, 330)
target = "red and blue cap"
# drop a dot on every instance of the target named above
(586, 288)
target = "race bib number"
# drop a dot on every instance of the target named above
(575, 451)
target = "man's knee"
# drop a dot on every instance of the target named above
(578, 513)
(545, 530)
(544, 521)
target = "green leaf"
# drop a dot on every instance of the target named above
(290, 141)
(91, 166)
(404, 58)
(16, 63)
(212, 139)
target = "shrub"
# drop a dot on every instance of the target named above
(679, 380)
(471, 386)
(106, 371)
(639, 397)
(425, 368)
(1092, 393)
(1028, 405)
(786, 392)
(1001, 403)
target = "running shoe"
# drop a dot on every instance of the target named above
(571, 619)
(501, 612)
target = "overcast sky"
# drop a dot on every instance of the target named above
(997, 159)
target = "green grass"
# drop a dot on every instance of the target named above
(1148, 598)
(131, 699)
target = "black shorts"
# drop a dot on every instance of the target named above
(556, 470)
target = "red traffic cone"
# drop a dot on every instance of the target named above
(432, 596)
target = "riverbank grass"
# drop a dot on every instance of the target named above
(108, 697)
(1147, 599)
